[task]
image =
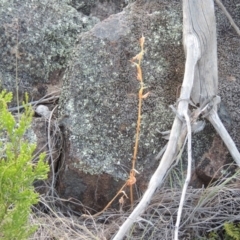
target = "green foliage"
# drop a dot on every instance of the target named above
(229, 231)
(17, 173)
(213, 236)
(232, 231)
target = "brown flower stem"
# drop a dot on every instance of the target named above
(107, 206)
(138, 57)
(131, 179)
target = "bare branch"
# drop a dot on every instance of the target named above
(234, 25)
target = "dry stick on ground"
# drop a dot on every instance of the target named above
(52, 160)
(199, 32)
(201, 82)
(51, 97)
(228, 16)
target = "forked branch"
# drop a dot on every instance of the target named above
(201, 84)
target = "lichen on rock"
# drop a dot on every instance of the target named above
(40, 36)
(99, 95)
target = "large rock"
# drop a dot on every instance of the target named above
(99, 8)
(99, 100)
(228, 66)
(211, 167)
(40, 35)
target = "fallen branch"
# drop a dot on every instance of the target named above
(188, 178)
(229, 17)
(46, 99)
(201, 84)
(221, 130)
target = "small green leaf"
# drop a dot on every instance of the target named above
(17, 173)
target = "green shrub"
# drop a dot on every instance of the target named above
(229, 231)
(232, 231)
(17, 173)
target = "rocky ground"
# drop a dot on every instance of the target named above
(75, 55)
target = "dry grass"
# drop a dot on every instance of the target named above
(204, 210)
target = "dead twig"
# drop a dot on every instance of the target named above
(188, 178)
(51, 97)
(52, 160)
(229, 17)
(201, 84)
(221, 130)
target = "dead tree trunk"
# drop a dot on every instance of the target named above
(200, 87)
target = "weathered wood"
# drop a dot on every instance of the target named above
(199, 21)
(234, 25)
(157, 178)
(200, 83)
(221, 130)
(190, 42)
(199, 39)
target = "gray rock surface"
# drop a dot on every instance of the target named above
(41, 36)
(213, 163)
(99, 99)
(98, 107)
(228, 66)
(99, 8)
